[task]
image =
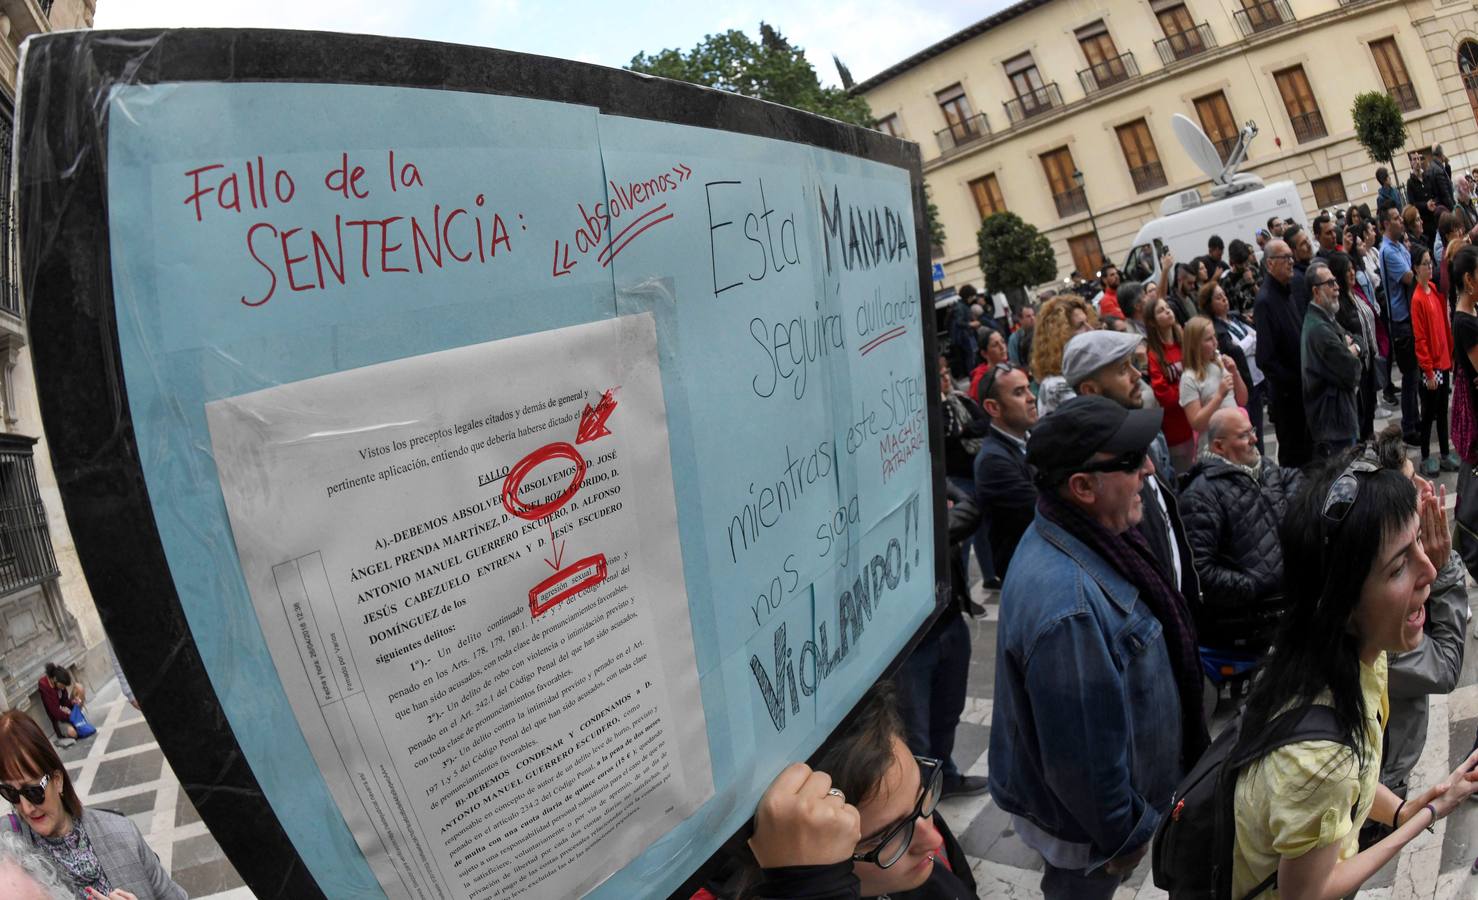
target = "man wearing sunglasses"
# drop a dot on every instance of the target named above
(1003, 482)
(1331, 368)
(1098, 681)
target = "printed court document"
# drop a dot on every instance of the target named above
(466, 566)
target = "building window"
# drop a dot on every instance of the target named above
(1329, 191)
(1033, 97)
(889, 125)
(26, 556)
(987, 194)
(1070, 199)
(957, 114)
(1141, 156)
(1467, 64)
(1260, 15)
(1393, 73)
(1298, 99)
(1106, 65)
(1183, 37)
(1087, 254)
(10, 295)
(1217, 122)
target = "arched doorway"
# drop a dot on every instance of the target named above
(1467, 64)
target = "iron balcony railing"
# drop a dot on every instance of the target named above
(1033, 103)
(962, 132)
(1405, 97)
(1071, 203)
(26, 557)
(1148, 176)
(1308, 127)
(1262, 15)
(1110, 72)
(1185, 44)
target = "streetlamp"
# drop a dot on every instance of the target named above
(1078, 180)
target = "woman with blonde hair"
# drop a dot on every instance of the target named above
(1210, 381)
(1059, 320)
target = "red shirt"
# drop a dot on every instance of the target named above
(1166, 386)
(1431, 328)
(1109, 305)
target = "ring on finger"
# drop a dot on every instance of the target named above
(834, 792)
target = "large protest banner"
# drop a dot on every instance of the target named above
(494, 461)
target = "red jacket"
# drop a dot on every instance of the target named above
(58, 705)
(1432, 329)
(1166, 385)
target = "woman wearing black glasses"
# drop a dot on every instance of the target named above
(98, 854)
(1355, 550)
(861, 824)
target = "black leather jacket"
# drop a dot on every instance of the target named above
(1232, 524)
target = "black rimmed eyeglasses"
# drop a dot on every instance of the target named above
(36, 793)
(890, 846)
(1346, 488)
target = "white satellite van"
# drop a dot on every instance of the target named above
(1240, 204)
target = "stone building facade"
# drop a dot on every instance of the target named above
(46, 609)
(1008, 110)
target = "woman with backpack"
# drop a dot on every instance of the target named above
(1354, 545)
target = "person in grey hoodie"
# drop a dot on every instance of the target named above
(1432, 668)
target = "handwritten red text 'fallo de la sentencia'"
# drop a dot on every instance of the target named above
(307, 259)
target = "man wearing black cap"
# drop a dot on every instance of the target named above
(1098, 681)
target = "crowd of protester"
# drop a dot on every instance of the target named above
(1106, 447)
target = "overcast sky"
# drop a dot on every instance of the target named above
(868, 35)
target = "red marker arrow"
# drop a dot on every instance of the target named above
(558, 548)
(568, 265)
(593, 420)
(682, 172)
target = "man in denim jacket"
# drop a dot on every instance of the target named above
(1098, 683)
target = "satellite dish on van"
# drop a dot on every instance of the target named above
(1197, 146)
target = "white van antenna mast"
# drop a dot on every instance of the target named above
(1225, 180)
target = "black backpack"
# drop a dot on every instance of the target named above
(1192, 847)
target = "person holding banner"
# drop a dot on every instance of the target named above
(862, 823)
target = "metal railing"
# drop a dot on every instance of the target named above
(1262, 15)
(1071, 203)
(1185, 44)
(1033, 103)
(1405, 97)
(46, 7)
(1148, 177)
(1115, 70)
(962, 132)
(1308, 127)
(26, 557)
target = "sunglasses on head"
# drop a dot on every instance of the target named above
(1128, 461)
(36, 793)
(988, 380)
(1345, 489)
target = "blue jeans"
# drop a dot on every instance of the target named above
(1068, 884)
(932, 684)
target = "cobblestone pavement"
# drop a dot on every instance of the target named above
(122, 769)
(1433, 866)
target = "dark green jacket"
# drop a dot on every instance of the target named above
(1331, 375)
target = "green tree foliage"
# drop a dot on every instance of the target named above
(770, 69)
(1014, 254)
(1379, 127)
(931, 220)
